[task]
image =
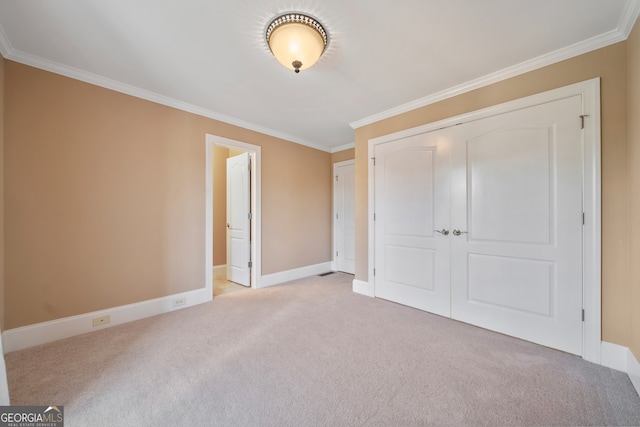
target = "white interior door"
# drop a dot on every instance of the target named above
(412, 202)
(518, 196)
(238, 219)
(344, 218)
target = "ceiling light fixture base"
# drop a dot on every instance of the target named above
(296, 40)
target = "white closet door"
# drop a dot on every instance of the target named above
(344, 206)
(412, 200)
(517, 198)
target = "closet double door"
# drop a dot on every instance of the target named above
(482, 222)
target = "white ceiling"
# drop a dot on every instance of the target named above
(383, 58)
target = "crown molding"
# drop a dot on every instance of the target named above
(343, 147)
(34, 61)
(5, 46)
(627, 22)
(630, 16)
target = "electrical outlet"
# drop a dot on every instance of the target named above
(179, 301)
(102, 320)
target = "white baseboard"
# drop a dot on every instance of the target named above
(298, 273)
(41, 333)
(633, 370)
(613, 356)
(620, 358)
(4, 384)
(363, 288)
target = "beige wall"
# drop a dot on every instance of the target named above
(608, 63)
(2, 64)
(303, 177)
(343, 155)
(105, 198)
(633, 50)
(220, 155)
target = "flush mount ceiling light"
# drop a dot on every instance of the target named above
(296, 40)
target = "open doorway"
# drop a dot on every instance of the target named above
(223, 274)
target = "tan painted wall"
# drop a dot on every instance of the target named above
(343, 155)
(608, 63)
(220, 155)
(105, 198)
(2, 65)
(633, 50)
(306, 174)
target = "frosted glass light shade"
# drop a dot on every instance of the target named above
(297, 41)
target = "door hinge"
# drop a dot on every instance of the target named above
(336, 254)
(374, 271)
(250, 216)
(250, 264)
(374, 161)
(374, 216)
(336, 178)
(583, 314)
(582, 218)
(582, 116)
(336, 216)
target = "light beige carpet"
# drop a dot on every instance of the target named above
(312, 353)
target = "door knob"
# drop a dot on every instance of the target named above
(444, 232)
(457, 232)
(228, 225)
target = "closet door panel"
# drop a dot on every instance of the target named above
(517, 263)
(412, 201)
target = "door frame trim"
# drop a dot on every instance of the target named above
(589, 90)
(333, 217)
(256, 206)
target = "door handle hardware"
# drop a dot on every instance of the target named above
(228, 225)
(457, 232)
(444, 232)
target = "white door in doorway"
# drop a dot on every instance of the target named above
(412, 215)
(518, 196)
(508, 189)
(238, 219)
(344, 218)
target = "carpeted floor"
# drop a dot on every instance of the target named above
(312, 353)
